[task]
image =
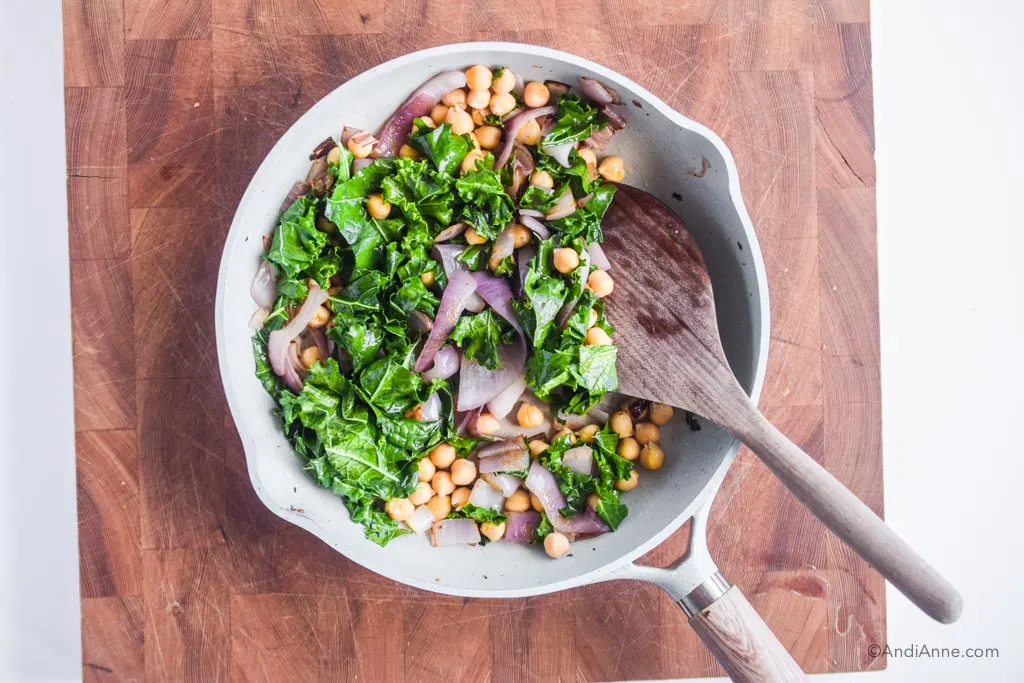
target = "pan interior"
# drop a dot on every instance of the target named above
(678, 164)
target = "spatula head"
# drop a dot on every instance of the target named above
(662, 307)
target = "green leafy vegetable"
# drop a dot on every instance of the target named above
(479, 514)
(297, 242)
(445, 149)
(575, 121)
(481, 335)
(487, 207)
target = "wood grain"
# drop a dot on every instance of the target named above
(154, 182)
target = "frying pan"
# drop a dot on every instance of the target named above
(679, 161)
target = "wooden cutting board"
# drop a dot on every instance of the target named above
(172, 104)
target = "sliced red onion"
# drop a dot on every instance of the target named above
(597, 91)
(495, 291)
(449, 532)
(418, 104)
(293, 371)
(586, 521)
(535, 226)
(541, 483)
(546, 124)
(526, 254)
(451, 232)
(584, 200)
(420, 322)
(506, 483)
(279, 340)
(447, 255)
(478, 385)
(511, 115)
(598, 257)
(264, 285)
(614, 118)
(258, 317)
(557, 89)
(579, 459)
(560, 153)
(431, 408)
(521, 527)
(453, 302)
(347, 132)
(501, 405)
(486, 496)
(522, 166)
(599, 138)
(575, 422)
(565, 206)
(446, 364)
(299, 189)
(320, 339)
(321, 150)
(359, 164)
(509, 429)
(465, 421)
(512, 129)
(365, 139)
(532, 213)
(512, 462)
(509, 448)
(504, 245)
(421, 519)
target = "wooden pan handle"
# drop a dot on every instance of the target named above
(742, 643)
(848, 517)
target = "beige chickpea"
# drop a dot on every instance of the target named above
(310, 356)
(492, 531)
(359, 151)
(565, 259)
(661, 413)
(612, 169)
(652, 457)
(628, 448)
(438, 114)
(646, 432)
(628, 484)
(529, 133)
(502, 103)
(478, 77)
(460, 121)
(408, 152)
(425, 469)
(428, 278)
(519, 501)
(480, 116)
(543, 179)
(440, 506)
(621, 423)
(521, 236)
(473, 237)
(600, 283)
(422, 494)
(478, 99)
(535, 503)
(460, 497)
(470, 160)
(537, 447)
(399, 509)
(475, 140)
(505, 81)
(427, 121)
(587, 433)
(536, 94)
(529, 416)
(320, 317)
(488, 136)
(556, 545)
(442, 455)
(463, 472)
(565, 431)
(588, 156)
(442, 483)
(592, 318)
(377, 207)
(597, 337)
(486, 424)
(592, 501)
(334, 156)
(454, 97)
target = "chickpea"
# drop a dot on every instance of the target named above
(588, 156)
(478, 77)
(377, 207)
(502, 103)
(492, 531)
(565, 259)
(422, 494)
(519, 501)
(399, 509)
(486, 424)
(473, 237)
(529, 133)
(438, 114)
(542, 179)
(505, 81)
(428, 121)
(463, 472)
(612, 169)
(408, 152)
(592, 501)
(454, 97)
(460, 497)
(592, 319)
(480, 116)
(478, 99)
(440, 506)
(565, 431)
(428, 278)
(442, 455)
(647, 432)
(621, 423)
(661, 413)
(588, 433)
(535, 503)
(536, 94)
(442, 483)
(359, 151)
(475, 140)
(320, 317)
(426, 469)
(556, 545)
(600, 282)
(521, 236)
(334, 156)
(310, 356)
(597, 337)
(652, 457)
(628, 448)
(488, 136)
(537, 447)
(628, 484)
(460, 121)
(529, 416)
(469, 161)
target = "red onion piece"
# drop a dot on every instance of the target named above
(347, 132)
(418, 104)
(486, 496)
(565, 206)
(320, 339)
(495, 291)
(449, 532)
(446, 364)
(501, 405)
(299, 189)
(511, 115)
(510, 462)
(453, 302)
(546, 124)
(598, 257)
(508, 447)
(506, 483)
(451, 232)
(278, 341)
(599, 138)
(521, 527)
(512, 129)
(541, 483)
(431, 408)
(420, 322)
(504, 245)
(525, 256)
(447, 255)
(560, 153)
(293, 371)
(535, 226)
(509, 429)
(478, 385)
(465, 420)
(258, 317)
(579, 459)
(264, 285)
(533, 213)
(597, 91)
(522, 166)
(557, 89)
(359, 164)
(421, 519)
(614, 118)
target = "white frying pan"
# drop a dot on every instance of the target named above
(665, 153)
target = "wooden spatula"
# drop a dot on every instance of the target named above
(669, 351)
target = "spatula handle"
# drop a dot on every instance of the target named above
(849, 518)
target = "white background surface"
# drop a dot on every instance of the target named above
(949, 100)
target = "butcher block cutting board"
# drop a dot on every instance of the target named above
(185, 576)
